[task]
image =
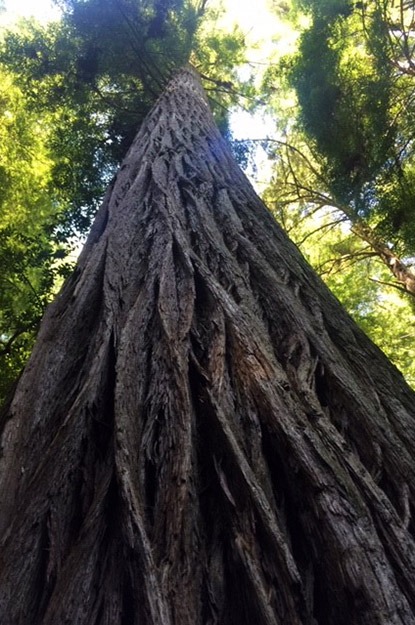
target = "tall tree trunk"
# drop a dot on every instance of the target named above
(404, 276)
(202, 434)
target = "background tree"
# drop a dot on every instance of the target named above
(356, 108)
(202, 434)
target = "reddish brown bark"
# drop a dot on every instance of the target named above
(202, 435)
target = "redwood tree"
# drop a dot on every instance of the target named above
(202, 435)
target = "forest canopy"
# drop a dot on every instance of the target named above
(75, 91)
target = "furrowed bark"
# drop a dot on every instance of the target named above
(202, 435)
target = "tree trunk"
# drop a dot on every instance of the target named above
(404, 276)
(202, 435)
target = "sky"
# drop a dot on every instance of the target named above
(257, 23)
(240, 10)
(43, 10)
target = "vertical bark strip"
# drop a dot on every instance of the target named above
(202, 435)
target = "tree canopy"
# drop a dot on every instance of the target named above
(355, 91)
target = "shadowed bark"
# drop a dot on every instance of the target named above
(202, 435)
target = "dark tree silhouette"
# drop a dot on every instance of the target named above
(202, 435)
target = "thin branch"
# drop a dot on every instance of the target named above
(328, 225)
(395, 285)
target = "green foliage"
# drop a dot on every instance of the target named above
(360, 281)
(28, 255)
(344, 94)
(99, 72)
(43, 63)
(358, 112)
